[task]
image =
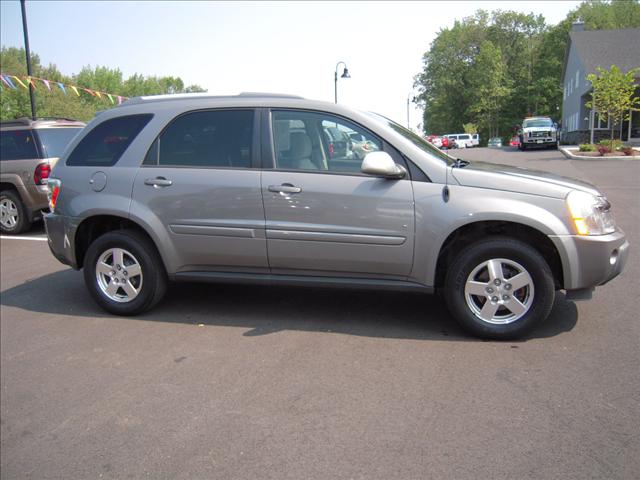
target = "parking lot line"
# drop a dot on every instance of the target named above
(15, 237)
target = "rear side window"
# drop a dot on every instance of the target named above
(215, 138)
(17, 145)
(55, 140)
(105, 144)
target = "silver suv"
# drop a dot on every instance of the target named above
(245, 189)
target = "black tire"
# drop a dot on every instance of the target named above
(22, 223)
(499, 248)
(153, 279)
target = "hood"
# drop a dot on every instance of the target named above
(521, 180)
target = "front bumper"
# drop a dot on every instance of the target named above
(590, 261)
(60, 237)
(539, 141)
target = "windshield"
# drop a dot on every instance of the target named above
(417, 140)
(537, 122)
(55, 140)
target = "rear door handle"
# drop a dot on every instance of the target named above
(158, 182)
(284, 188)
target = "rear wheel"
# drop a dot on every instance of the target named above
(499, 288)
(13, 215)
(124, 273)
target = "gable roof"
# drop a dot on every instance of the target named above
(603, 48)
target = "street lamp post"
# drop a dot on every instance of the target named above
(28, 52)
(345, 74)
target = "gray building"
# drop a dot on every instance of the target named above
(586, 51)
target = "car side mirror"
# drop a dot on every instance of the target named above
(380, 164)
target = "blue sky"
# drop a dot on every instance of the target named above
(229, 47)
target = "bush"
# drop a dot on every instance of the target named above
(602, 149)
(628, 151)
(612, 145)
(587, 147)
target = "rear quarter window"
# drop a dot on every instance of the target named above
(17, 145)
(104, 145)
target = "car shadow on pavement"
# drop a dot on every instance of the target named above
(270, 309)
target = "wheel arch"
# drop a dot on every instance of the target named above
(469, 233)
(96, 225)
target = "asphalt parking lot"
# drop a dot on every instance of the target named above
(264, 382)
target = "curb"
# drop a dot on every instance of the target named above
(571, 156)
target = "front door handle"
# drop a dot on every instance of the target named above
(284, 188)
(158, 182)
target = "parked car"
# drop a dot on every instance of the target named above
(435, 140)
(242, 189)
(463, 140)
(360, 145)
(539, 132)
(28, 150)
(338, 143)
(494, 142)
(475, 139)
(515, 141)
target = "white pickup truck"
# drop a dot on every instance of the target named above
(539, 132)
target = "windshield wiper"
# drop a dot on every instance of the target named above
(459, 163)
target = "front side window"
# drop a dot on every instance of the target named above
(213, 138)
(320, 142)
(17, 145)
(104, 145)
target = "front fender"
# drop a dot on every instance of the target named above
(437, 219)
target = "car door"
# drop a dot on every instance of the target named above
(198, 184)
(323, 216)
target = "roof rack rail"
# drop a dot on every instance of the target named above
(270, 95)
(28, 121)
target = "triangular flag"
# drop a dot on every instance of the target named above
(33, 84)
(75, 89)
(20, 82)
(90, 92)
(7, 80)
(98, 94)
(110, 97)
(119, 99)
(61, 85)
(46, 82)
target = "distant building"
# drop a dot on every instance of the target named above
(586, 51)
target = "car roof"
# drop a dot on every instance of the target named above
(176, 97)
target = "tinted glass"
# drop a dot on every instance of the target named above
(105, 144)
(17, 145)
(55, 140)
(217, 138)
(417, 140)
(321, 142)
(537, 122)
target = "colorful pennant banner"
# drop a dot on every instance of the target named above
(24, 81)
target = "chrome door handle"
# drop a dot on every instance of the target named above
(284, 188)
(158, 182)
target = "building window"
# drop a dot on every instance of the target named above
(600, 123)
(577, 78)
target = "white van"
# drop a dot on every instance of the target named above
(463, 140)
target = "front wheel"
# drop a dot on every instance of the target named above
(124, 273)
(499, 288)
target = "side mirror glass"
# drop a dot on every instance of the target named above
(380, 164)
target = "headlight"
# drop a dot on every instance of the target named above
(591, 215)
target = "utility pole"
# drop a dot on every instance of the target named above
(28, 52)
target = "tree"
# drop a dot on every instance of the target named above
(613, 94)
(470, 128)
(492, 88)
(14, 103)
